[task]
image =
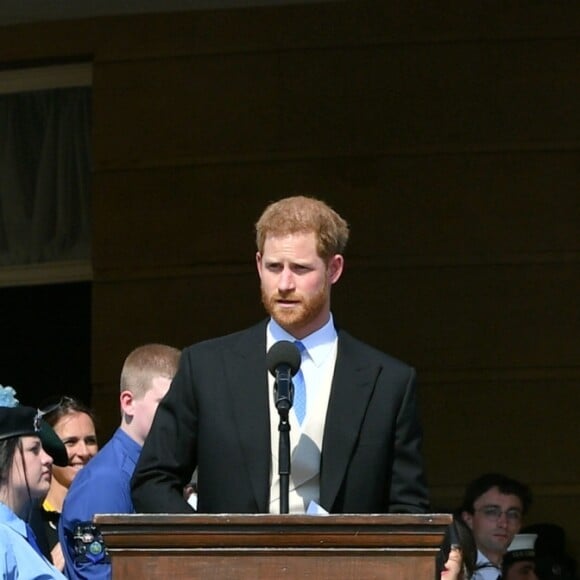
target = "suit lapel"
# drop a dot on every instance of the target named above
(352, 385)
(248, 389)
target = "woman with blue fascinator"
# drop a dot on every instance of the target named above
(28, 448)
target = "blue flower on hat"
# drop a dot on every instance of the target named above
(8, 397)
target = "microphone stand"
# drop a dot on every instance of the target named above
(284, 461)
(284, 399)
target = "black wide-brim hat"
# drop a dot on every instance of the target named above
(20, 421)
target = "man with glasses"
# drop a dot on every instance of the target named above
(493, 507)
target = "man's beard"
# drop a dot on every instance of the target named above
(301, 314)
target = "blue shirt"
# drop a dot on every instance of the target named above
(102, 486)
(18, 559)
(487, 571)
(318, 360)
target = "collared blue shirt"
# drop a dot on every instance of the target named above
(319, 358)
(487, 570)
(102, 486)
(18, 559)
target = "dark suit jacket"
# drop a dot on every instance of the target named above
(216, 417)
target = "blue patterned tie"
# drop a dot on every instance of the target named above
(299, 388)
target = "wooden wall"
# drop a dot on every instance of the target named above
(449, 138)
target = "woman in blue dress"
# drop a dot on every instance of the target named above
(25, 475)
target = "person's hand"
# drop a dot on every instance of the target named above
(188, 490)
(453, 568)
(57, 557)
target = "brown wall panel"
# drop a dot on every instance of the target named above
(178, 311)
(472, 319)
(487, 206)
(532, 419)
(511, 207)
(160, 111)
(466, 318)
(364, 22)
(309, 102)
(24, 44)
(411, 96)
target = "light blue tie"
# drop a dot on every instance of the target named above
(299, 388)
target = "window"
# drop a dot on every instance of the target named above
(45, 265)
(45, 121)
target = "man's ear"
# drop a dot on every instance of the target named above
(335, 267)
(259, 263)
(467, 518)
(126, 398)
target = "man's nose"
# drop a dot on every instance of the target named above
(286, 280)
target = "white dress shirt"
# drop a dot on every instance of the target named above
(318, 362)
(488, 571)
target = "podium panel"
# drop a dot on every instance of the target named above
(361, 547)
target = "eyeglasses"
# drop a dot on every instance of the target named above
(494, 513)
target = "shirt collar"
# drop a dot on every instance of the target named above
(318, 345)
(131, 447)
(484, 562)
(8, 517)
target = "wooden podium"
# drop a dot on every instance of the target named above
(260, 547)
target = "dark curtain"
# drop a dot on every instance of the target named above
(44, 176)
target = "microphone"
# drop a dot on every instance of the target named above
(283, 360)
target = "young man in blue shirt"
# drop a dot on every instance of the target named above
(103, 485)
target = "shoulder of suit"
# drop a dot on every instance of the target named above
(354, 346)
(252, 334)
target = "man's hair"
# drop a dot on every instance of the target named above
(300, 214)
(505, 485)
(146, 362)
